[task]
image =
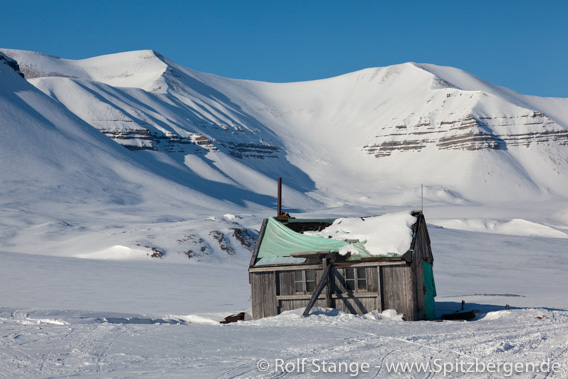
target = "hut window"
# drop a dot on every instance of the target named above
(304, 281)
(361, 279)
(310, 280)
(355, 279)
(350, 279)
(299, 281)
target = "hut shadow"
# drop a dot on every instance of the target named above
(449, 307)
(481, 310)
(324, 311)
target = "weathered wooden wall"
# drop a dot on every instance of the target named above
(288, 299)
(420, 290)
(422, 251)
(398, 290)
(421, 243)
(392, 285)
(263, 294)
(359, 302)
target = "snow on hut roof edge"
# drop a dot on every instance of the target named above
(388, 234)
(378, 236)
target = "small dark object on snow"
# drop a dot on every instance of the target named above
(234, 318)
(468, 315)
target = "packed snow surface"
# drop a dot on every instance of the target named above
(65, 317)
(380, 235)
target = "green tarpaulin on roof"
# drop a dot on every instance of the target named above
(281, 241)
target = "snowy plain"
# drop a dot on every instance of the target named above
(64, 316)
(81, 218)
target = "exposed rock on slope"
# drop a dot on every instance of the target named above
(427, 124)
(471, 133)
(114, 99)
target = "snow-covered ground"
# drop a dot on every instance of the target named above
(37, 344)
(63, 316)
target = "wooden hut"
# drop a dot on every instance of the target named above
(291, 269)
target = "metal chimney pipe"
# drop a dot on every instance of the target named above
(279, 211)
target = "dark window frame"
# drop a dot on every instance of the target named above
(305, 281)
(355, 279)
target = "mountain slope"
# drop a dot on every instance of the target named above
(368, 136)
(63, 181)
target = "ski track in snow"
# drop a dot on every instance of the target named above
(215, 351)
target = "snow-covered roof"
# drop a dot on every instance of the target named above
(389, 234)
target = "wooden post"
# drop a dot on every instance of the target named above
(326, 264)
(324, 280)
(380, 298)
(279, 210)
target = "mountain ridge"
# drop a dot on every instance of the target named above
(214, 126)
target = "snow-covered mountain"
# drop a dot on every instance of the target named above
(202, 145)
(372, 134)
(67, 189)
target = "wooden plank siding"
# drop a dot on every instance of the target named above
(421, 243)
(372, 279)
(288, 305)
(264, 295)
(293, 266)
(398, 290)
(286, 296)
(422, 251)
(356, 304)
(285, 279)
(420, 291)
(388, 287)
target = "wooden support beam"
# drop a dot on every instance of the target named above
(327, 263)
(284, 267)
(324, 280)
(308, 254)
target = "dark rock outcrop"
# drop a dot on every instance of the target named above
(470, 133)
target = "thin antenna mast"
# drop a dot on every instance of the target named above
(422, 197)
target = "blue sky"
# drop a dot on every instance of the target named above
(522, 45)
